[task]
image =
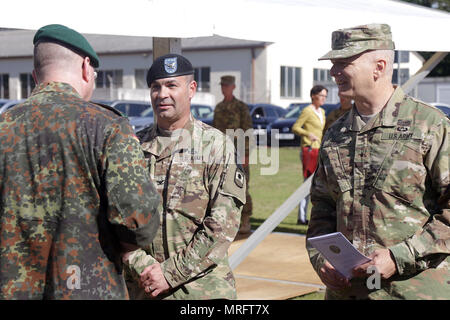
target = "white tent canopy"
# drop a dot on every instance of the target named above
(414, 28)
(308, 21)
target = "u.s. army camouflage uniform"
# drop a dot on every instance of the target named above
(386, 185)
(72, 185)
(235, 115)
(203, 192)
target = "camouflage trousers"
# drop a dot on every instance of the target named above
(248, 207)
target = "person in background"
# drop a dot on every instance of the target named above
(309, 126)
(234, 114)
(344, 106)
(383, 178)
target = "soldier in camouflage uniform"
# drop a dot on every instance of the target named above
(73, 184)
(234, 114)
(344, 106)
(383, 178)
(202, 189)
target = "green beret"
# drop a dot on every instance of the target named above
(69, 38)
(349, 42)
(168, 66)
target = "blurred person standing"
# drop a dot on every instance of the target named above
(383, 178)
(309, 126)
(74, 191)
(234, 114)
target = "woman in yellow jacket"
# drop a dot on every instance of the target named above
(309, 127)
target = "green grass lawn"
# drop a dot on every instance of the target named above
(270, 191)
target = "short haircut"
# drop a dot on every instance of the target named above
(317, 89)
(49, 55)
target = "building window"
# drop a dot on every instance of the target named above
(404, 76)
(4, 86)
(290, 82)
(404, 56)
(107, 77)
(202, 76)
(140, 76)
(322, 75)
(26, 84)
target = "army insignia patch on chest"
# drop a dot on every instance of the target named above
(239, 178)
(403, 125)
(170, 65)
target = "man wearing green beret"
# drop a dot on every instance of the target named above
(383, 178)
(74, 191)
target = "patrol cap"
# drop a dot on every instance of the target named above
(69, 38)
(352, 41)
(168, 66)
(227, 80)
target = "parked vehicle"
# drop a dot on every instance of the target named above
(285, 136)
(203, 112)
(140, 113)
(8, 104)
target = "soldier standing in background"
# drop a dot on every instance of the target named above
(344, 106)
(202, 190)
(383, 178)
(74, 192)
(234, 114)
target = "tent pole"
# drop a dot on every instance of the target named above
(271, 223)
(424, 71)
(162, 46)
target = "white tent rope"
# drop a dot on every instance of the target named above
(271, 223)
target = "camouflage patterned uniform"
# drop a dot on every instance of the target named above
(385, 184)
(333, 116)
(235, 115)
(202, 201)
(72, 184)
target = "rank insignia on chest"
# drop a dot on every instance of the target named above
(239, 178)
(403, 125)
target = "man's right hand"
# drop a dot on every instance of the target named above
(332, 278)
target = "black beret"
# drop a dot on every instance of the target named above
(68, 37)
(167, 66)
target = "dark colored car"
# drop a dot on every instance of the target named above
(203, 113)
(263, 114)
(284, 136)
(445, 108)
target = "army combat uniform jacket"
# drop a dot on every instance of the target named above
(385, 184)
(72, 185)
(202, 193)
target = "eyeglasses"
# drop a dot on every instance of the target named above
(322, 95)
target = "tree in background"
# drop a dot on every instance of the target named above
(443, 68)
